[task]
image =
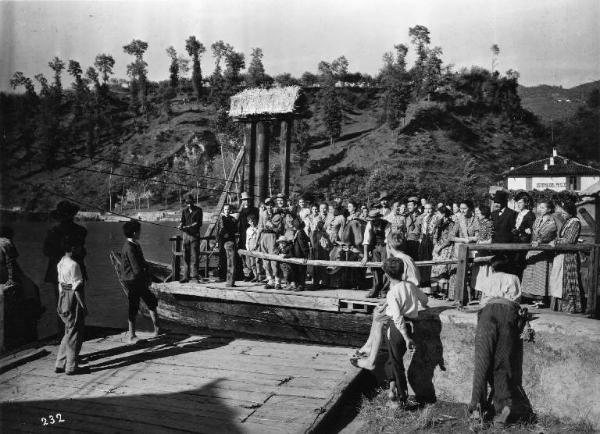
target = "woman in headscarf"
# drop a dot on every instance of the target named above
(565, 278)
(443, 249)
(537, 263)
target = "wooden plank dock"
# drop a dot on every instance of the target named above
(178, 383)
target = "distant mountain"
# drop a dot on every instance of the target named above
(554, 102)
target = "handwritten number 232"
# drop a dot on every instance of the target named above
(52, 419)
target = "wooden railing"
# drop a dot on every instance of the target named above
(463, 260)
(177, 254)
(591, 284)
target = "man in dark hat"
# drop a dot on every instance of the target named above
(56, 237)
(191, 222)
(384, 206)
(503, 219)
(247, 209)
(413, 227)
(374, 244)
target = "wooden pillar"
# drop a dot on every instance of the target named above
(284, 153)
(461, 274)
(250, 144)
(261, 190)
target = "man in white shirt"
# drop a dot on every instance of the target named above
(71, 309)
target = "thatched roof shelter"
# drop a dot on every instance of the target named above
(275, 102)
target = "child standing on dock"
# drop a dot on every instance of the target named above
(251, 245)
(136, 278)
(71, 308)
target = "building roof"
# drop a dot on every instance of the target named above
(592, 190)
(268, 102)
(562, 167)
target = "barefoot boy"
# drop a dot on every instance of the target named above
(135, 276)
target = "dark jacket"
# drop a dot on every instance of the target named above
(519, 234)
(503, 226)
(133, 265)
(189, 217)
(226, 229)
(301, 246)
(53, 248)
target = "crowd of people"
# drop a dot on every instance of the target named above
(338, 231)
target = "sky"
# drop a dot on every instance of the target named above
(554, 42)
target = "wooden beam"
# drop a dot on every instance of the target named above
(461, 273)
(262, 161)
(284, 154)
(592, 282)
(250, 144)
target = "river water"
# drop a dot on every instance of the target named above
(105, 298)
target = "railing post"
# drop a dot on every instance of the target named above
(176, 257)
(592, 282)
(461, 273)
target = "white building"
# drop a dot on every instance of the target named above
(556, 173)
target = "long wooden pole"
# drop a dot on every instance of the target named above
(461, 273)
(284, 154)
(250, 143)
(262, 161)
(348, 264)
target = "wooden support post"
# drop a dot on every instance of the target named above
(592, 282)
(284, 153)
(176, 254)
(250, 144)
(461, 274)
(262, 161)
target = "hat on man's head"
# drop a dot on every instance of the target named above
(500, 196)
(282, 239)
(64, 208)
(374, 213)
(280, 196)
(383, 195)
(413, 199)
(245, 196)
(268, 200)
(189, 199)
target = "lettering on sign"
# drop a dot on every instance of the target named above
(542, 185)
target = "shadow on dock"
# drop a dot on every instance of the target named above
(198, 410)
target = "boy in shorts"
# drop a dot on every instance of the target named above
(136, 277)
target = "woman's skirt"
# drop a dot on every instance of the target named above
(535, 276)
(425, 254)
(565, 284)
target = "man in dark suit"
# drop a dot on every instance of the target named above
(191, 222)
(246, 210)
(503, 219)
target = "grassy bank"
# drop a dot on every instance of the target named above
(374, 416)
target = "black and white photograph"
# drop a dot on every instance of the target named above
(300, 216)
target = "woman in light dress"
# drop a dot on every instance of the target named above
(537, 263)
(480, 273)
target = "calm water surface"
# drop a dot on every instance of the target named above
(104, 296)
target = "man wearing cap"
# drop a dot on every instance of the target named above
(270, 227)
(503, 219)
(247, 209)
(226, 229)
(64, 213)
(413, 228)
(191, 222)
(374, 243)
(383, 200)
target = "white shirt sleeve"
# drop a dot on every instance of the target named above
(367, 235)
(393, 310)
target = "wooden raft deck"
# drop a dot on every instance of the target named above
(179, 383)
(331, 316)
